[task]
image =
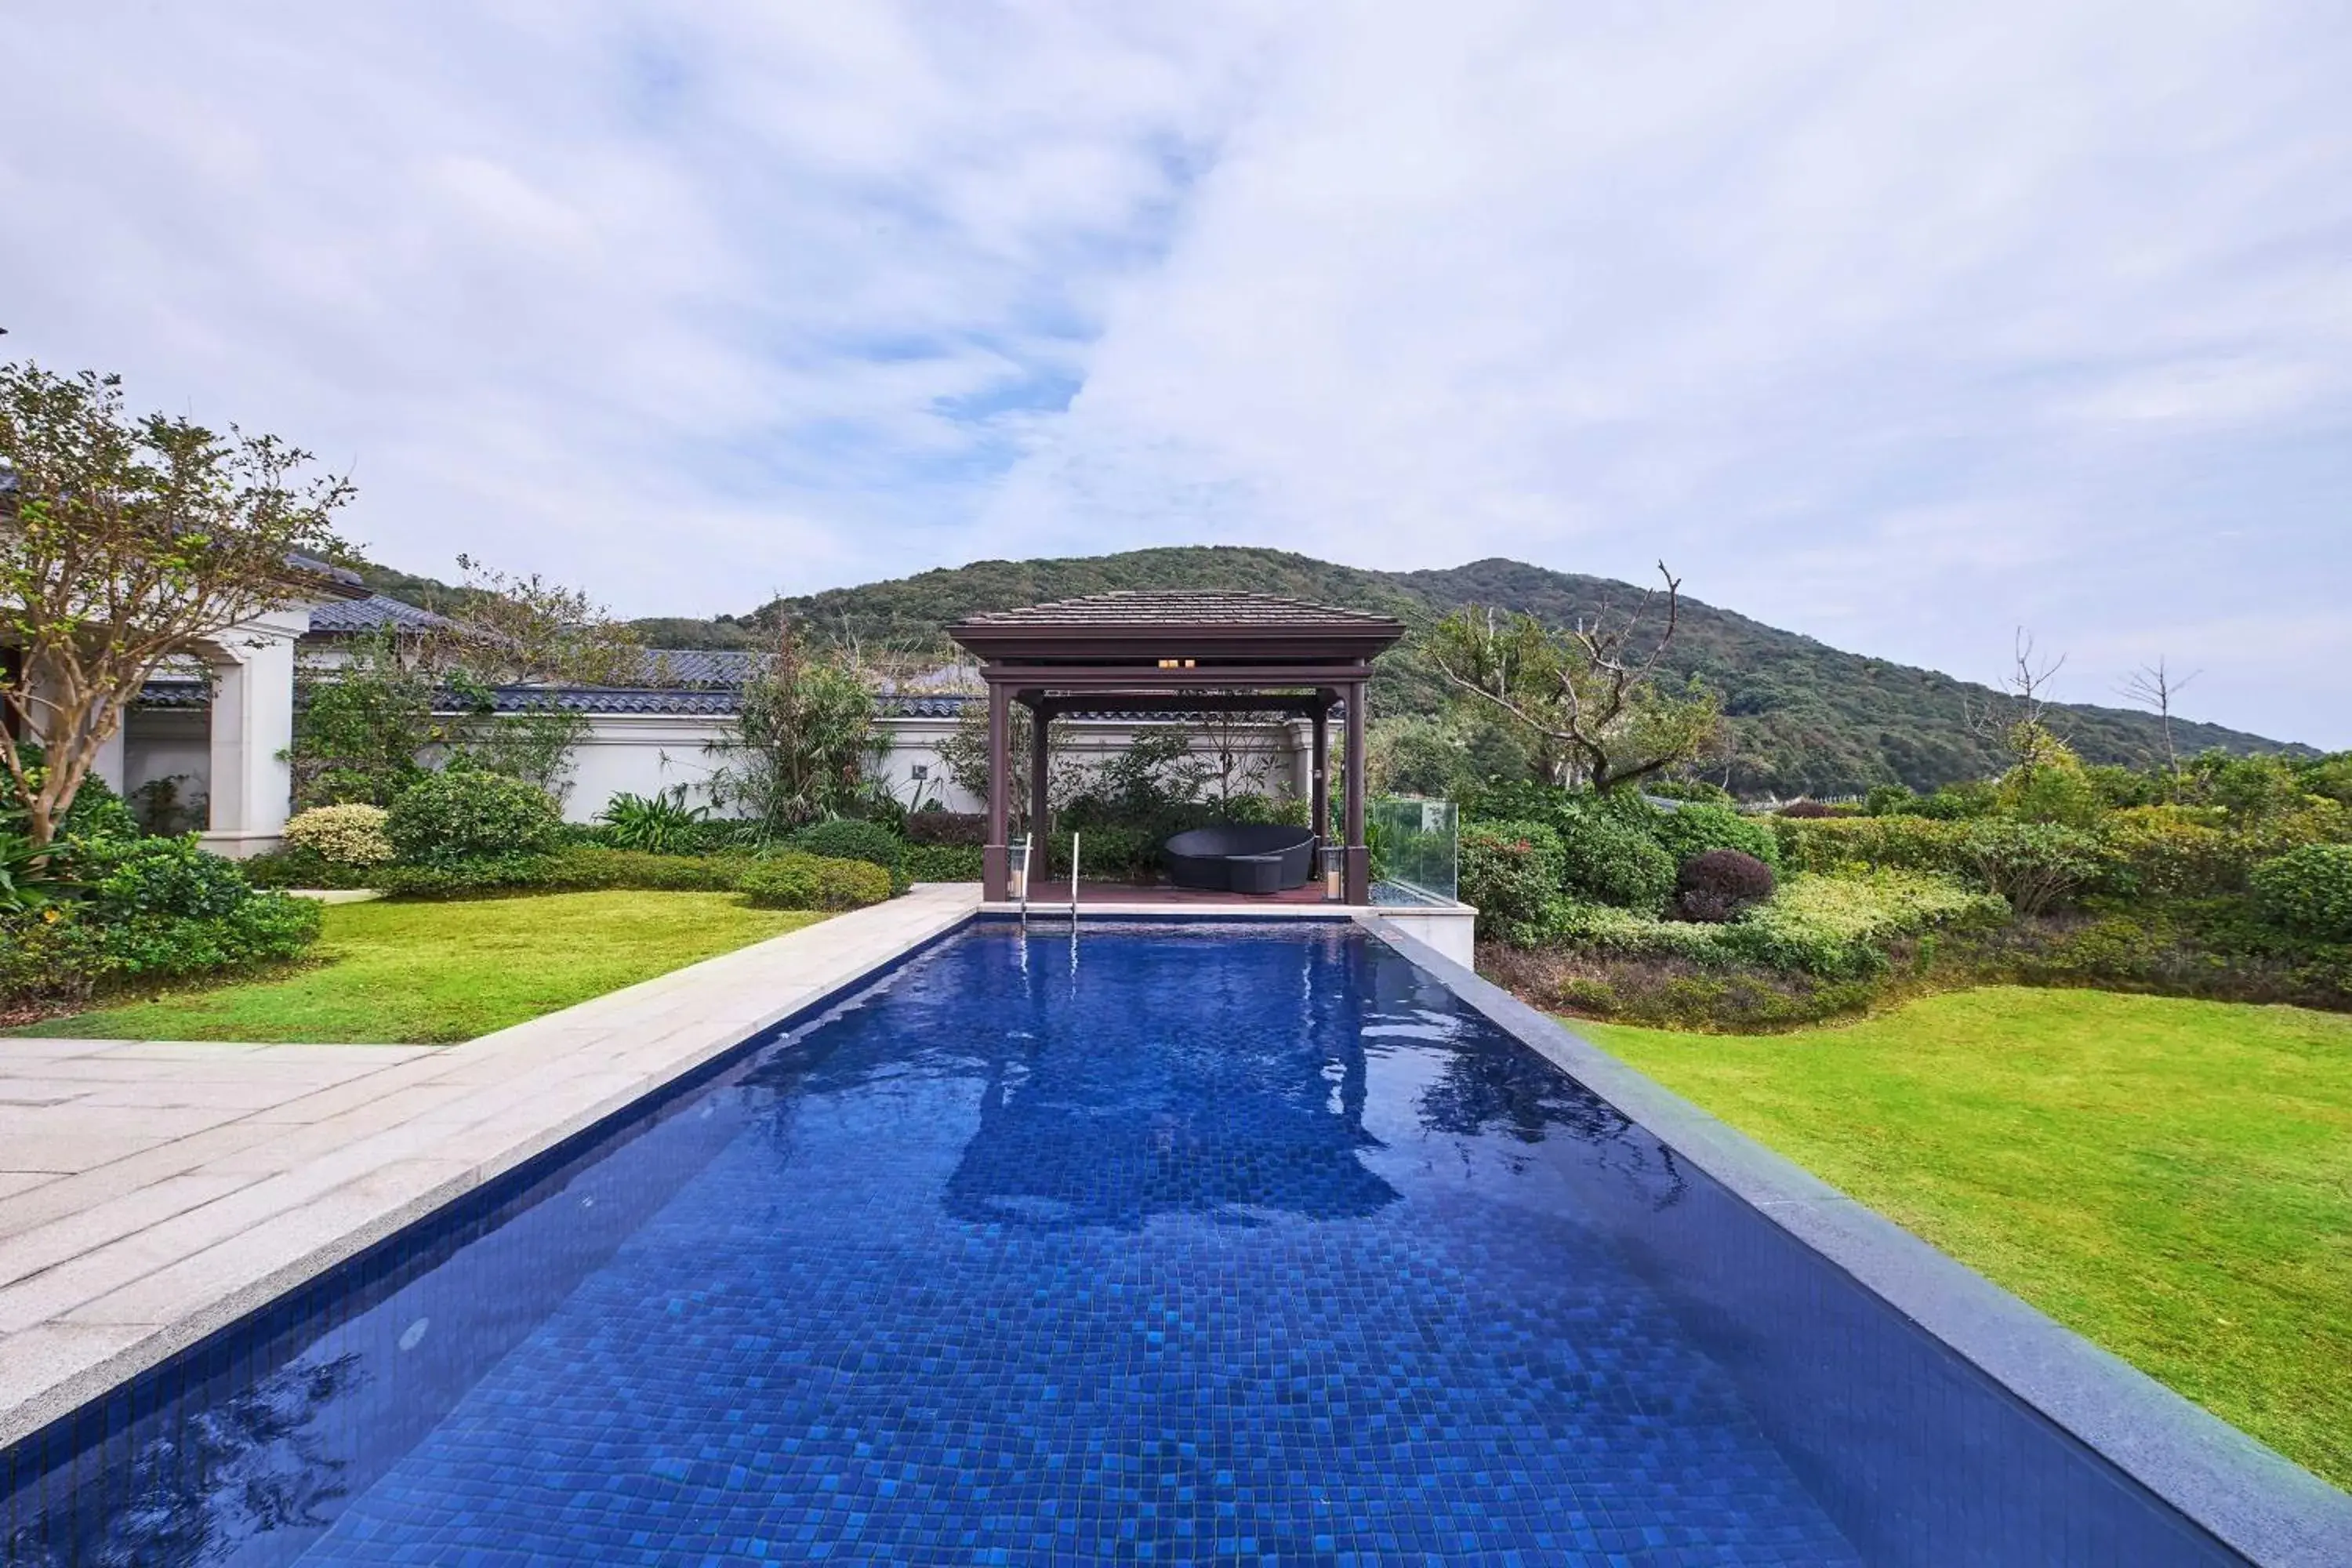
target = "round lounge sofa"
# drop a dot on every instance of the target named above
(1240, 858)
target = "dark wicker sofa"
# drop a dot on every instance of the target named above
(1235, 858)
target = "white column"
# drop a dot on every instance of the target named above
(251, 786)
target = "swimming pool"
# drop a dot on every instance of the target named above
(1149, 1244)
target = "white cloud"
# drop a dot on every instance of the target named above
(1897, 329)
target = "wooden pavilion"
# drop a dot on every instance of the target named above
(1175, 653)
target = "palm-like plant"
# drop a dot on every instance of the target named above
(660, 824)
(32, 876)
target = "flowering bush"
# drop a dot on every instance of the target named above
(341, 835)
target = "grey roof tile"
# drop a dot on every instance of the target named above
(1162, 609)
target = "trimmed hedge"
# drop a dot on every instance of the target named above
(941, 862)
(948, 827)
(847, 838)
(791, 881)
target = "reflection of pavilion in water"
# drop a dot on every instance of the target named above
(1262, 1111)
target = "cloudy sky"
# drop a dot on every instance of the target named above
(1897, 331)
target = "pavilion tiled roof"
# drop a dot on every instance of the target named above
(1158, 609)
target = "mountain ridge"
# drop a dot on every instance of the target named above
(1806, 717)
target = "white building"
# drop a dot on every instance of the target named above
(234, 721)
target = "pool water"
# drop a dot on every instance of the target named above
(1159, 1244)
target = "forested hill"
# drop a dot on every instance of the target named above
(1806, 716)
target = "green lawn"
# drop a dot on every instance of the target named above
(392, 973)
(2172, 1179)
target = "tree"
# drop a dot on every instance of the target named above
(1590, 694)
(124, 540)
(2018, 718)
(516, 629)
(802, 743)
(2155, 688)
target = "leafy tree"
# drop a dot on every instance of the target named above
(1590, 693)
(123, 541)
(802, 743)
(517, 628)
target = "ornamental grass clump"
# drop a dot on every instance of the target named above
(341, 835)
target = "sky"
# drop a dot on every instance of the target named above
(1899, 327)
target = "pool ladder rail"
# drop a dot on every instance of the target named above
(1028, 870)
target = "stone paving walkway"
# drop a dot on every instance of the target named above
(151, 1191)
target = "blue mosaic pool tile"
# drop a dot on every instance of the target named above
(1158, 1247)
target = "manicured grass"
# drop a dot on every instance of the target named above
(393, 972)
(2171, 1179)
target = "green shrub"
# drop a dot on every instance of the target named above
(1611, 852)
(1695, 828)
(1107, 854)
(1840, 927)
(659, 823)
(941, 862)
(130, 878)
(1824, 845)
(341, 835)
(948, 827)
(46, 956)
(797, 882)
(295, 867)
(448, 818)
(1888, 800)
(576, 869)
(163, 907)
(2166, 851)
(1510, 871)
(847, 838)
(1829, 927)
(2035, 866)
(1613, 861)
(2308, 892)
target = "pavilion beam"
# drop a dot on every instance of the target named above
(1108, 703)
(1359, 857)
(1279, 678)
(995, 866)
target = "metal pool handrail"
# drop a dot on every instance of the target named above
(1074, 878)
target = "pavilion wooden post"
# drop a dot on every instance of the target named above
(1040, 718)
(995, 867)
(1359, 857)
(1319, 786)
